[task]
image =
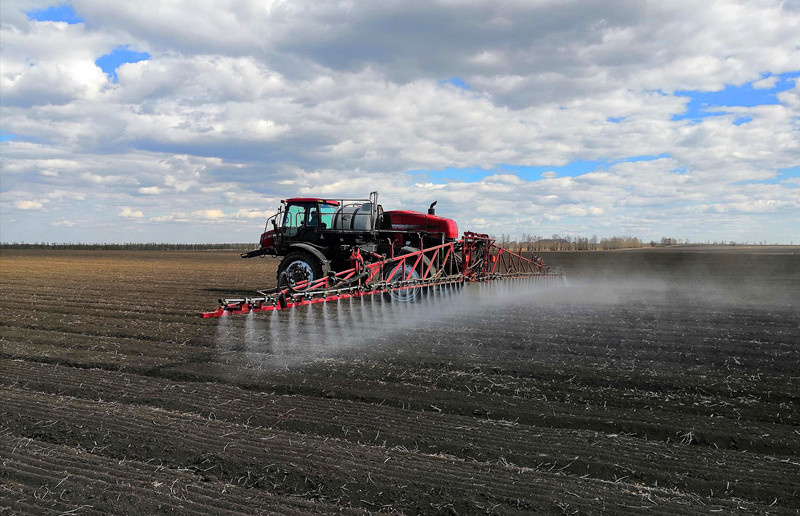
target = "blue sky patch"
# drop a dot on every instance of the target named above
(702, 104)
(576, 168)
(745, 182)
(783, 175)
(615, 120)
(634, 159)
(122, 54)
(457, 82)
(6, 137)
(469, 175)
(58, 13)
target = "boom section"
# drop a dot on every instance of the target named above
(476, 257)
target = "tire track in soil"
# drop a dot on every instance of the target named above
(685, 468)
(314, 468)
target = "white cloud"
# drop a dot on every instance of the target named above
(29, 205)
(51, 63)
(766, 83)
(65, 195)
(129, 213)
(150, 190)
(98, 179)
(253, 214)
(487, 58)
(209, 214)
(430, 186)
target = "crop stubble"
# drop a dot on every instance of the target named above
(666, 392)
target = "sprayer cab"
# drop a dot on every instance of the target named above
(318, 235)
(322, 224)
(329, 225)
(299, 219)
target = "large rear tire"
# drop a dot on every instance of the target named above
(298, 267)
(407, 271)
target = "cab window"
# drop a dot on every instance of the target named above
(295, 216)
(327, 212)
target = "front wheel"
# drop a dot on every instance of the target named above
(299, 268)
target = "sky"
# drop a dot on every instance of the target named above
(184, 121)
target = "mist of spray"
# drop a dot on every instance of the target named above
(366, 324)
(373, 324)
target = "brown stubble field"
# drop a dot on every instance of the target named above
(657, 380)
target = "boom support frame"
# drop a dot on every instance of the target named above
(476, 257)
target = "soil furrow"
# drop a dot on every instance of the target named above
(434, 434)
(108, 426)
(57, 471)
(717, 432)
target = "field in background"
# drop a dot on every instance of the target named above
(656, 379)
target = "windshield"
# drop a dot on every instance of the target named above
(295, 216)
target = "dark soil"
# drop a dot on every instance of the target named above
(657, 380)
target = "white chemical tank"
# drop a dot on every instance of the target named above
(354, 216)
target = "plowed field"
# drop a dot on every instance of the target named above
(657, 381)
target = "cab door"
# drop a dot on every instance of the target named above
(294, 219)
(303, 223)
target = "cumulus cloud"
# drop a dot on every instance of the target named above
(50, 63)
(29, 205)
(150, 190)
(484, 106)
(129, 213)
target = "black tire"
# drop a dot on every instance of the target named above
(405, 296)
(453, 266)
(298, 266)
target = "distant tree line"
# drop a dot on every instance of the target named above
(533, 243)
(131, 246)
